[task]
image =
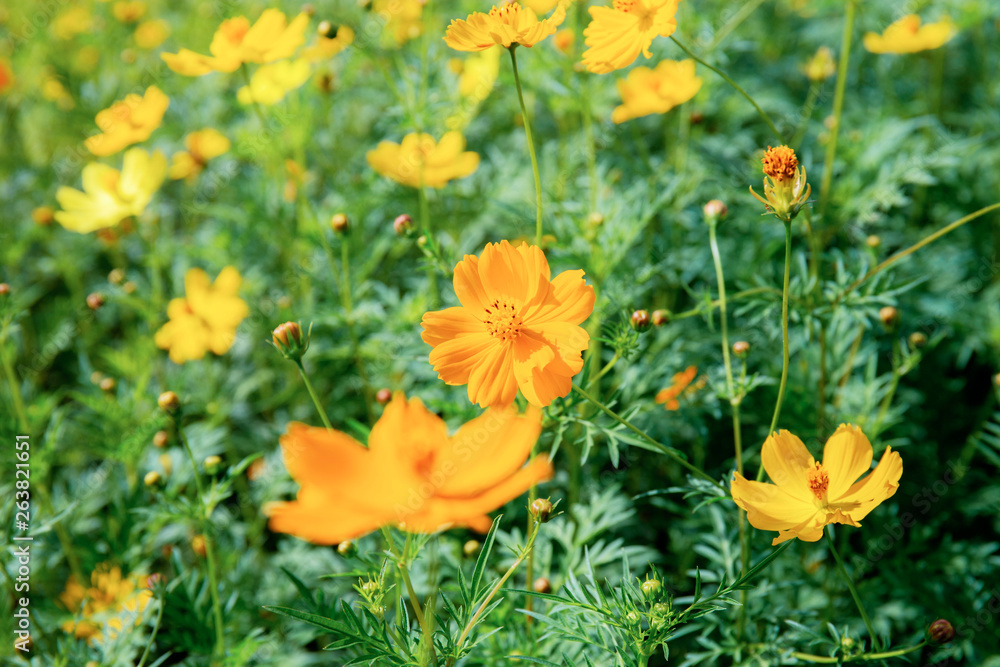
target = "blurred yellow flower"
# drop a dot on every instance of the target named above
(54, 91)
(236, 42)
(86, 59)
(479, 75)
(329, 44)
(647, 91)
(541, 6)
(506, 24)
(564, 40)
(270, 83)
(679, 383)
(403, 19)
(206, 318)
(821, 66)
(6, 76)
(111, 601)
(72, 22)
(517, 328)
(439, 162)
(808, 495)
(412, 474)
(617, 35)
(110, 196)
(150, 34)
(128, 122)
(129, 11)
(907, 36)
(202, 146)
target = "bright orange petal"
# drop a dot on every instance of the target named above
(492, 382)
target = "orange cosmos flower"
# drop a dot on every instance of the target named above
(206, 318)
(111, 601)
(907, 36)
(516, 328)
(786, 190)
(129, 121)
(807, 495)
(202, 146)
(507, 24)
(236, 42)
(618, 34)
(647, 91)
(679, 383)
(6, 76)
(412, 474)
(419, 160)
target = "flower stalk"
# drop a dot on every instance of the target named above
(531, 147)
(850, 586)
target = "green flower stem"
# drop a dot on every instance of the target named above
(739, 89)
(784, 337)
(528, 548)
(312, 393)
(712, 305)
(348, 303)
(418, 610)
(807, 112)
(864, 657)
(649, 439)
(893, 386)
(253, 100)
(607, 367)
(915, 247)
(152, 637)
(13, 384)
(425, 224)
(531, 149)
(213, 581)
(850, 587)
(838, 108)
(734, 22)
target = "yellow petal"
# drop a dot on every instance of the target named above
(786, 461)
(846, 456)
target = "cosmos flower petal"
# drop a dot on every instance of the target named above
(880, 485)
(846, 456)
(454, 358)
(492, 382)
(786, 461)
(768, 506)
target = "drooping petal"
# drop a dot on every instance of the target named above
(876, 488)
(846, 456)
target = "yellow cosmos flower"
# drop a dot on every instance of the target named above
(402, 19)
(109, 196)
(206, 318)
(270, 83)
(150, 34)
(128, 122)
(335, 40)
(412, 474)
(786, 190)
(821, 66)
(202, 146)
(420, 160)
(236, 42)
(647, 91)
(516, 327)
(807, 495)
(507, 24)
(617, 35)
(679, 384)
(479, 75)
(103, 608)
(907, 36)
(72, 22)
(129, 11)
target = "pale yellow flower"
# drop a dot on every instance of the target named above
(647, 91)
(150, 34)
(202, 146)
(419, 160)
(270, 83)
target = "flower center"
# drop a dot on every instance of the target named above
(780, 163)
(502, 321)
(508, 12)
(819, 480)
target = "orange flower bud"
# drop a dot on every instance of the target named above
(640, 320)
(402, 224)
(169, 402)
(290, 341)
(160, 439)
(741, 348)
(660, 317)
(199, 545)
(43, 215)
(542, 585)
(339, 223)
(889, 316)
(940, 632)
(471, 548)
(715, 210)
(542, 509)
(152, 478)
(4, 289)
(108, 385)
(383, 396)
(95, 300)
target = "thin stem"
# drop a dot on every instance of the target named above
(425, 223)
(531, 149)
(784, 328)
(838, 108)
(607, 367)
(739, 89)
(312, 393)
(699, 310)
(253, 100)
(15, 387)
(734, 22)
(806, 114)
(645, 436)
(893, 386)
(152, 637)
(418, 611)
(496, 589)
(850, 586)
(864, 657)
(348, 304)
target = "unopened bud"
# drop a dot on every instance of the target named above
(347, 548)
(741, 348)
(95, 300)
(847, 642)
(212, 464)
(160, 439)
(155, 580)
(43, 215)
(96, 377)
(940, 632)
(470, 548)
(660, 317)
(421, 240)
(107, 385)
(152, 478)
(633, 618)
(651, 589)
(383, 396)
(199, 546)
(640, 320)
(116, 277)
(166, 463)
(542, 585)
(128, 287)
(873, 241)
(715, 210)
(290, 341)
(327, 29)
(4, 289)
(542, 509)
(918, 339)
(370, 587)
(169, 402)
(339, 223)
(595, 219)
(402, 224)
(308, 9)
(661, 608)
(697, 118)
(889, 316)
